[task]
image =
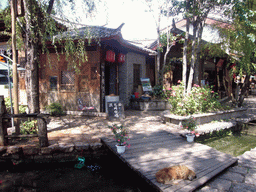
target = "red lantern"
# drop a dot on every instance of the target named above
(121, 58)
(110, 56)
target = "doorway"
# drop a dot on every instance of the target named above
(111, 79)
(136, 76)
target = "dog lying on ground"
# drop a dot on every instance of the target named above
(168, 175)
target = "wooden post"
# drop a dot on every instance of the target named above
(14, 65)
(42, 131)
(3, 130)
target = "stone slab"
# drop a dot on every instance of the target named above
(242, 187)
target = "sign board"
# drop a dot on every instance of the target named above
(146, 85)
(115, 109)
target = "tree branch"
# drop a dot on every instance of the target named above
(50, 6)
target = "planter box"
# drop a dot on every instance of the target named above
(153, 105)
(206, 117)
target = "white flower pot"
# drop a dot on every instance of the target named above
(190, 137)
(120, 149)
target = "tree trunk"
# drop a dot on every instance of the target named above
(192, 64)
(50, 6)
(185, 62)
(168, 48)
(185, 47)
(244, 90)
(158, 75)
(198, 50)
(32, 51)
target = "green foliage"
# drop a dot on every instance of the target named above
(172, 38)
(189, 124)
(28, 127)
(7, 100)
(43, 28)
(55, 109)
(158, 91)
(199, 100)
(239, 38)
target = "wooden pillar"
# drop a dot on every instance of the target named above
(3, 130)
(14, 65)
(42, 131)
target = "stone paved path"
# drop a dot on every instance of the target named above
(239, 178)
(242, 177)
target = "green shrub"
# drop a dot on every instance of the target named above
(55, 109)
(199, 100)
(28, 127)
(158, 91)
(189, 124)
(7, 100)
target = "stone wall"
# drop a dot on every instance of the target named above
(126, 76)
(56, 152)
(206, 117)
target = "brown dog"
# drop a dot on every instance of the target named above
(168, 174)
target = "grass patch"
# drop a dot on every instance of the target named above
(234, 145)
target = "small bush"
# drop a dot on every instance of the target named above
(189, 124)
(28, 127)
(55, 109)
(7, 100)
(158, 92)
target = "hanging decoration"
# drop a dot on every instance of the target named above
(121, 58)
(110, 56)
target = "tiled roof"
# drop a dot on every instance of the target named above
(91, 32)
(210, 34)
(102, 33)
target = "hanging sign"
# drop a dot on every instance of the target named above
(110, 56)
(121, 58)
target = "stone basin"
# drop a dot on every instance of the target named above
(205, 117)
(152, 105)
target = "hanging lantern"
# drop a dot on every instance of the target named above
(110, 56)
(121, 58)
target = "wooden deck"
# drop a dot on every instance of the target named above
(150, 152)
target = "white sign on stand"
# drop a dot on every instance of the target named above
(146, 85)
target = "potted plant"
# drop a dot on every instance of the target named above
(190, 125)
(121, 137)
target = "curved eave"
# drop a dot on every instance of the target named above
(133, 47)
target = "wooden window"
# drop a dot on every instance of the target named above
(53, 83)
(67, 81)
(83, 83)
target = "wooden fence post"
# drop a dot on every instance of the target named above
(42, 131)
(3, 130)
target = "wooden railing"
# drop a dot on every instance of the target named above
(4, 121)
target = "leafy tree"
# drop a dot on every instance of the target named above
(160, 9)
(239, 43)
(38, 27)
(196, 14)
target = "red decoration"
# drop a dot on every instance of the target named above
(121, 58)
(110, 56)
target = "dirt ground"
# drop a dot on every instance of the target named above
(69, 129)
